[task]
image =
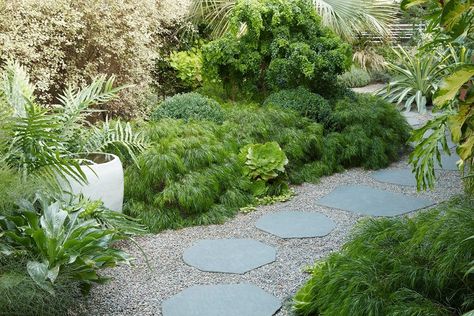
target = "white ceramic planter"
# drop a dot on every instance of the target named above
(105, 181)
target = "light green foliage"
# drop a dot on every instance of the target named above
(455, 96)
(415, 78)
(189, 106)
(60, 240)
(188, 64)
(188, 176)
(68, 42)
(301, 100)
(263, 164)
(22, 296)
(41, 143)
(273, 45)
(355, 78)
(399, 266)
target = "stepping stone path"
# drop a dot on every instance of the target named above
(229, 255)
(395, 176)
(370, 201)
(222, 300)
(293, 224)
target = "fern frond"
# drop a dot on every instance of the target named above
(115, 137)
(75, 105)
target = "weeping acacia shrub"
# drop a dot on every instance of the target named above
(189, 176)
(365, 131)
(399, 266)
(300, 138)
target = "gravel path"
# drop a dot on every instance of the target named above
(138, 290)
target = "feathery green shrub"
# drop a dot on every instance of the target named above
(301, 100)
(398, 266)
(365, 131)
(189, 176)
(300, 138)
(189, 106)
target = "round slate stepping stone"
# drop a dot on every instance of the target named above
(229, 255)
(295, 224)
(370, 201)
(395, 176)
(222, 300)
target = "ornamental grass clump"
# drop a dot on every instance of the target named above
(399, 266)
(188, 176)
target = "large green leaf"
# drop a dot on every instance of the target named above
(450, 85)
(406, 4)
(453, 12)
(39, 273)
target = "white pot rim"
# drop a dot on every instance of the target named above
(113, 159)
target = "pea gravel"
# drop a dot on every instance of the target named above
(139, 290)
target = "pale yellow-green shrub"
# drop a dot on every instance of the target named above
(63, 42)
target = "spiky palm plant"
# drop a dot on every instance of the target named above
(348, 18)
(416, 78)
(45, 142)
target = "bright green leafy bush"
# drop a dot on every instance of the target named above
(355, 78)
(189, 106)
(301, 100)
(189, 176)
(273, 45)
(399, 266)
(264, 164)
(188, 65)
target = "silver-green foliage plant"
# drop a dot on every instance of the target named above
(355, 78)
(45, 141)
(415, 78)
(263, 164)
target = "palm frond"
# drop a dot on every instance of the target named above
(347, 18)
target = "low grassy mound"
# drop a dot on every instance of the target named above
(192, 175)
(401, 266)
